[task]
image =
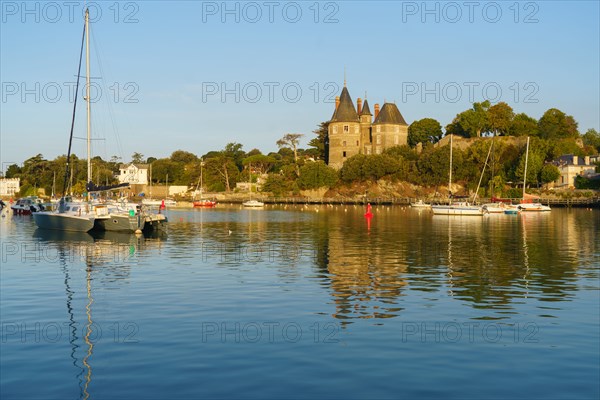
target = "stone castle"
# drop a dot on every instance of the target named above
(353, 131)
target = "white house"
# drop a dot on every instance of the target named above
(135, 174)
(570, 166)
(9, 186)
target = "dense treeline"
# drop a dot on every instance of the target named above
(292, 168)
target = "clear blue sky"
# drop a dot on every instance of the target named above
(162, 68)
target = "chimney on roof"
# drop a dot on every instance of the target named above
(359, 105)
(376, 109)
(337, 102)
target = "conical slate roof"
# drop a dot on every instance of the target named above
(390, 114)
(345, 112)
(365, 109)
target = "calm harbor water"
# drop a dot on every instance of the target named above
(293, 302)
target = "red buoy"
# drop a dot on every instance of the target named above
(368, 214)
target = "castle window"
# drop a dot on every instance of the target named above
(344, 154)
(378, 138)
(396, 139)
(334, 129)
(378, 128)
(356, 129)
(396, 129)
(368, 150)
(346, 129)
(357, 143)
(344, 143)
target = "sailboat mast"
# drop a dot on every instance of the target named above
(87, 93)
(525, 173)
(450, 174)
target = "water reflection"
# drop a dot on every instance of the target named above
(490, 264)
(105, 255)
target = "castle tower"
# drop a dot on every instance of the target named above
(343, 131)
(365, 128)
(389, 128)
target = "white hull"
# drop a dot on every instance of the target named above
(421, 205)
(150, 202)
(500, 208)
(253, 204)
(457, 210)
(63, 221)
(533, 207)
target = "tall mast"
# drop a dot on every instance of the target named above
(525, 173)
(201, 183)
(450, 174)
(87, 93)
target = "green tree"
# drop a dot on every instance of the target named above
(314, 175)
(234, 151)
(592, 138)
(253, 152)
(183, 157)
(471, 123)
(549, 173)
(164, 167)
(321, 144)
(404, 151)
(424, 130)
(523, 125)
(291, 141)
(277, 184)
(259, 162)
(535, 163)
(555, 124)
(352, 170)
(500, 117)
(137, 158)
(559, 147)
(13, 171)
(377, 166)
(224, 165)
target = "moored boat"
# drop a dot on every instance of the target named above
(73, 215)
(69, 216)
(253, 204)
(166, 202)
(118, 218)
(533, 207)
(527, 203)
(420, 204)
(27, 205)
(204, 203)
(460, 208)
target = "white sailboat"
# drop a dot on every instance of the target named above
(74, 215)
(525, 205)
(204, 203)
(252, 203)
(455, 208)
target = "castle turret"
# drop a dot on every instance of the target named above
(344, 131)
(389, 128)
(365, 128)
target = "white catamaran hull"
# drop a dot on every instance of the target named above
(63, 221)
